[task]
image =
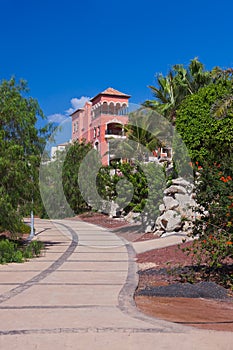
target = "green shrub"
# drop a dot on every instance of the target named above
(24, 228)
(9, 252)
(33, 249)
(213, 250)
(16, 251)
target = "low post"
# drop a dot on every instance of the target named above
(32, 226)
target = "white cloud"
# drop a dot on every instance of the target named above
(77, 103)
(57, 118)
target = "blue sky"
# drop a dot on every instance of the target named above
(69, 50)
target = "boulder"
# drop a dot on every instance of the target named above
(114, 210)
(174, 189)
(162, 208)
(159, 233)
(181, 182)
(132, 217)
(169, 221)
(186, 203)
(149, 228)
(170, 203)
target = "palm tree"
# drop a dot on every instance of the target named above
(222, 106)
(145, 132)
(173, 88)
(165, 96)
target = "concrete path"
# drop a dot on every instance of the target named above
(144, 246)
(79, 295)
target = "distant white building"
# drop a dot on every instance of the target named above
(59, 148)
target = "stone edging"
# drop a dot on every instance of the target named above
(127, 304)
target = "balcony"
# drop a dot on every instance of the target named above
(114, 130)
(110, 109)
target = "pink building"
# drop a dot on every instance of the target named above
(101, 119)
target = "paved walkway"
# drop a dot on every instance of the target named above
(79, 295)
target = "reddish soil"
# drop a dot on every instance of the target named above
(154, 266)
(101, 220)
(200, 313)
(209, 313)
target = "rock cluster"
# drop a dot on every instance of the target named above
(176, 212)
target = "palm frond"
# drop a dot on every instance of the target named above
(221, 107)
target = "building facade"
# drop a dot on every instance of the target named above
(101, 119)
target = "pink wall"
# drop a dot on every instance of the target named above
(86, 125)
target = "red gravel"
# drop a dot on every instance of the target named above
(166, 256)
(101, 220)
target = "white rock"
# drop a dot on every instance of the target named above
(148, 229)
(166, 234)
(170, 220)
(170, 203)
(162, 208)
(131, 217)
(146, 266)
(185, 202)
(113, 209)
(181, 182)
(159, 232)
(174, 189)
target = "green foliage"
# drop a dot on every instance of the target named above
(203, 134)
(180, 82)
(51, 189)
(214, 224)
(33, 249)
(209, 141)
(59, 184)
(16, 251)
(199, 103)
(24, 229)
(134, 188)
(9, 252)
(213, 250)
(74, 158)
(21, 144)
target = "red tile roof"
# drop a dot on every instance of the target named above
(112, 92)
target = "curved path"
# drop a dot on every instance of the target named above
(79, 295)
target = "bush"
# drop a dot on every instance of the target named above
(9, 252)
(33, 249)
(213, 251)
(24, 228)
(17, 251)
(133, 188)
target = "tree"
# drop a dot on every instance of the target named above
(205, 136)
(75, 155)
(175, 86)
(209, 140)
(21, 144)
(223, 105)
(145, 132)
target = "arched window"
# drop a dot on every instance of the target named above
(118, 108)
(111, 108)
(124, 109)
(104, 108)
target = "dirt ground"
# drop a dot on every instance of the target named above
(160, 295)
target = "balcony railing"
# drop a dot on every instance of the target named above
(114, 132)
(120, 112)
